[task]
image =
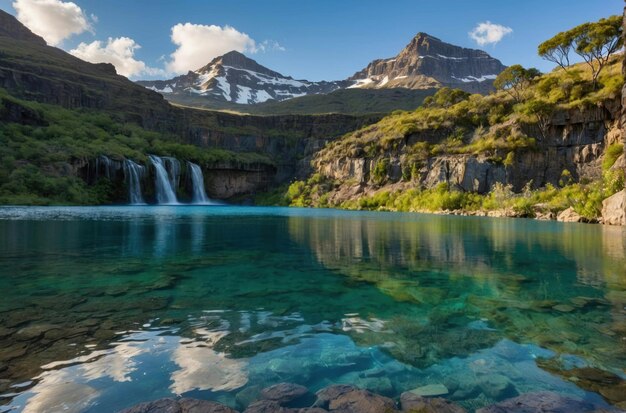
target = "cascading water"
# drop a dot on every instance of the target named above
(172, 166)
(165, 190)
(133, 174)
(197, 182)
(104, 163)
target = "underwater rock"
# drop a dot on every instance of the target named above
(430, 390)
(540, 402)
(411, 402)
(284, 393)
(329, 393)
(361, 401)
(379, 385)
(246, 396)
(497, 386)
(564, 308)
(609, 385)
(169, 405)
(268, 406)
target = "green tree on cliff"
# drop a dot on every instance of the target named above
(514, 80)
(595, 43)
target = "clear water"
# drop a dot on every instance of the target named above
(106, 307)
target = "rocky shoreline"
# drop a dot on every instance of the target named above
(613, 213)
(342, 398)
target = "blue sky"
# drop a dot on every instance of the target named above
(314, 40)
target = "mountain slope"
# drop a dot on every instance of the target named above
(427, 62)
(235, 78)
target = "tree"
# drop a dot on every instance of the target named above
(594, 42)
(597, 42)
(514, 80)
(557, 49)
(542, 111)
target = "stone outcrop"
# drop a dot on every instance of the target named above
(614, 209)
(569, 215)
(427, 62)
(574, 145)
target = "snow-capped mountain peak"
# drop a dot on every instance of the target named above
(236, 78)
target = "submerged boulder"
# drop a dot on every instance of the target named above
(284, 393)
(540, 402)
(169, 405)
(411, 402)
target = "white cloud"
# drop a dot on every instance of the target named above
(54, 20)
(197, 44)
(270, 45)
(489, 33)
(118, 51)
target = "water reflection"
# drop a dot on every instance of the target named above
(122, 305)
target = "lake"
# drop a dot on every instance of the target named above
(106, 307)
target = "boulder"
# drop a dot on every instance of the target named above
(170, 405)
(540, 402)
(569, 215)
(283, 393)
(268, 406)
(411, 402)
(614, 209)
(329, 393)
(361, 401)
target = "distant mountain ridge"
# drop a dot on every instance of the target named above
(425, 63)
(428, 62)
(236, 78)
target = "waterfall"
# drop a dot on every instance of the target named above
(172, 165)
(133, 173)
(197, 181)
(164, 188)
(103, 162)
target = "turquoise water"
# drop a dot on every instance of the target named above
(107, 307)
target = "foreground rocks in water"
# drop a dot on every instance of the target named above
(541, 402)
(614, 209)
(361, 401)
(179, 406)
(569, 215)
(284, 393)
(411, 402)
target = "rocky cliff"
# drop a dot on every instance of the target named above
(427, 62)
(575, 143)
(614, 207)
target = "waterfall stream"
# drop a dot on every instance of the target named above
(133, 174)
(197, 181)
(164, 188)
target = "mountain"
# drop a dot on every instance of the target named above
(235, 78)
(235, 82)
(427, 62)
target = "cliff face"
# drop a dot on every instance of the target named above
(575, 142)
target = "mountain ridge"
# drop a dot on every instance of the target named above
(425, 63)
(235, 78)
